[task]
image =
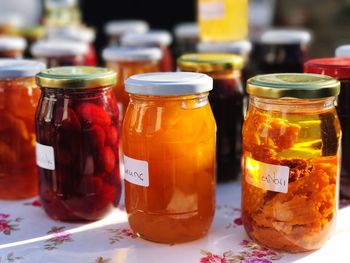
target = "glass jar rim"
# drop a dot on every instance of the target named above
(293, 85)
(76, 77)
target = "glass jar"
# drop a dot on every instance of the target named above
(56, 53)
(18, 100)
(280, 51)
(61, 13)
(157, 38)
(186, 38)
(343, 51)
(169, 156)
(226, 100)
(31, 34)
(12, 47)
(290, 162)
(77, 143)
(222, 20)
(116, 29)
(127, 61)
(10, 22)
(338, 68)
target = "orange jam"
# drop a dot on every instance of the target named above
(18, 100)
(169, 155)
(291, 161)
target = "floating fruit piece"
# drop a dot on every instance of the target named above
(7, 155)
(93, 114)
(13, 125)
(96, 136)
(112, 135)
(108, 159)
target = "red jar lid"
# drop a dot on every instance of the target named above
(335, 67)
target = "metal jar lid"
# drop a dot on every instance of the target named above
(80, 77)
(210, 62)
(293, 85)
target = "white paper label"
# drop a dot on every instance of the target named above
(45, 157)
(267, 176)
(136, 171)
(211, 10)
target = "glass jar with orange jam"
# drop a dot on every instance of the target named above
(128, 61)
(226, 100)
(290, 163)
(18, 100)
(169, 156)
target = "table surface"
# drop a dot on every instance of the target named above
(28, 235)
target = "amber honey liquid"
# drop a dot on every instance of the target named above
(177, 139)
(305, 138)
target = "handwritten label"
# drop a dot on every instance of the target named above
(136, 171)
(211, 10)
(45, 157)
(266, 176)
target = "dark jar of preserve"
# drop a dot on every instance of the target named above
(77, 143)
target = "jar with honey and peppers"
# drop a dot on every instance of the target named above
(338, 68)
(77, 143)
(169, 156)
(19, 96)
(290, 162)
(226, 100)
(128, 61)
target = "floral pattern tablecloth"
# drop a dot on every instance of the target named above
(27, 235)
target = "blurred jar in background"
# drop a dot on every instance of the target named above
(116, 29)
(60, 53)
(12, 47)
(280, 51)
(338, 68)
(9, 22)
(127, 61)
(60, 13)
(226, 101)
(32, 35)
(157, 38)
(222, 20)
(241, 48)
(18, 100)
(343, 51)
(78, 34)
(186, 38)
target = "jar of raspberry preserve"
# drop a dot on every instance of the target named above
(56, 53)
(77, 143)
(290, 163)
(226, 100)
(338, 68)
(19, 96)
(157, 38)
(169, 156)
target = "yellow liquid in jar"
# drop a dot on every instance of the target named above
(223, 20)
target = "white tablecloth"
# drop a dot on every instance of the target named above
(27, 235)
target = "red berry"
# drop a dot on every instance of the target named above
(108, 159)
(97, 136)
(93, 114)
(112, 135)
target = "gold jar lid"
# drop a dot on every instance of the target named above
(80, 77)
(293, 85)
(210, 62)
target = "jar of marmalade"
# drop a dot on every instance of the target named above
(77, 143)
(12, 47)
(18, 100)
(169, 156)
(156, 38)
(338, 68)
(56, 53)
(226, 100)
(290, 163)
(127, 61)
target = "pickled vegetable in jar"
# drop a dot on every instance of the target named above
(290, 162)
(56, 53)
(338, 68)
(156, 38)
(77, 143)
(117, 28)
(12, 47)
(128, 61)
(169, 156)
(222, 20)
(226, 100)
(18, 100)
